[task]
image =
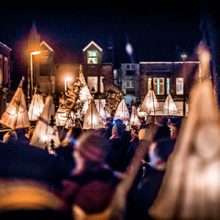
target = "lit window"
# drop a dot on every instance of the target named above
(179, 86)
(101, 84)
(168, 85)
(149, 83)
(92, 56)
(159, 86)
(115, 74)
(92, 82)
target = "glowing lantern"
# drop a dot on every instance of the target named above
(92, 118)
(36, 107)
(101, 109)
(84, 91)
(45, 132)
(64, 117)
(150, 104)
(169, 107)
(191, 187)
(134, 120)
(16, 115)
(85, 107)
(122, 111)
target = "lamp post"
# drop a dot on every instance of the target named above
(31, 77)
(184, 57)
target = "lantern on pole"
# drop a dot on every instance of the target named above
(122, 112)
(134, 120)
(170, 107)
(16, 115)
(36, 107)
(192, 174)
(92, 119)
(150, 104)
(45, 131)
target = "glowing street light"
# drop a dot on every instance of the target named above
(31, 77)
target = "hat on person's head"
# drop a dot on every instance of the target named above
(92, 147)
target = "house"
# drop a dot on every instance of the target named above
(5, 65)
(40, 60)
(96, 71)
(5, 69)
(176, 78)
(129, 82)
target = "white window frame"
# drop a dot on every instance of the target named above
(179, 90)
(168, 85)
(157, 83)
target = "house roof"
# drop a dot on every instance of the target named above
(5, 46)
(46, 45)
(90, 44)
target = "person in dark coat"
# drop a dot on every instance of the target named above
(116, 153)
(147, 185)
(65, 151)
(19, 161)
(92, 183)
(132, 147)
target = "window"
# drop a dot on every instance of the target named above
(93, 83)
(149, 84)
(101, 84)
(168, 85)
(159, 86)
(130, 84)
(92, 56)
(130, 66)
(115, 74)
(179, 86)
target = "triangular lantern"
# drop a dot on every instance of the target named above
(191, 187)
(64, 117)
(150, 104)
(45, 133)
(134, 120)
(92, 118)
(84, 91)
(101, 110)
(85, 107)
(36, 107)
(16, 115)
(122, 111)
(170, 107)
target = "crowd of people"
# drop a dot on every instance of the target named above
(87, 167)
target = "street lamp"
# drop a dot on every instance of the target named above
(31, 77)
(184, 57)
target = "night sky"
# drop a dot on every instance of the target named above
(157, 30)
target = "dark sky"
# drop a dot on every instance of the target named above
(157, 30)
